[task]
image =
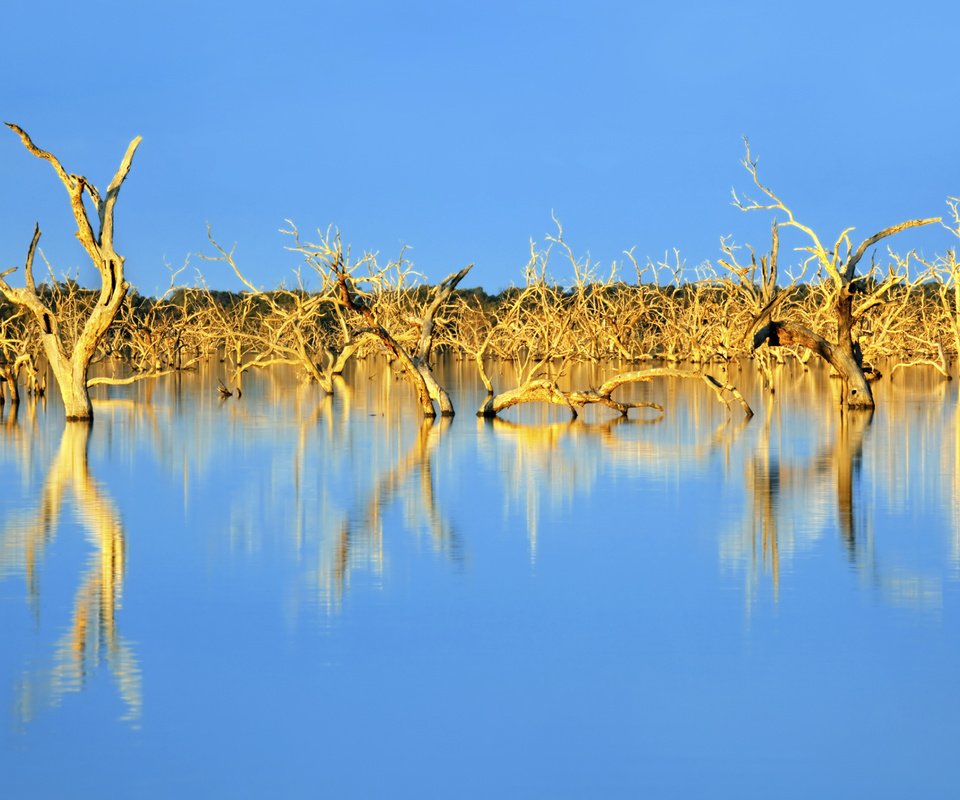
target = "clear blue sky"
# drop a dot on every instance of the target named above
(456, 128)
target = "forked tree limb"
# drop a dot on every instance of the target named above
(99, 245)
(851, 264)
(416, 367)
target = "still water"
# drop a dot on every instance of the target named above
(291, 596)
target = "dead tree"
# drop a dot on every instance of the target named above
(944, 271)
(848, 296)
(546, 390)
(755, 291)
(383, 312)
(70, 359)
(417, 365)
(278, 327)
(17, 347)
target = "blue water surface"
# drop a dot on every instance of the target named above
(288, 595)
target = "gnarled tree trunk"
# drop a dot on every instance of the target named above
(416, 367)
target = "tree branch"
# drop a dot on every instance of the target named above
(853, 260)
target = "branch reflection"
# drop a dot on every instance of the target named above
(345, 470)
(792, 501)
(92, 635)
(359, 538)
(561, 460)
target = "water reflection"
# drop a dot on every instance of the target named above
(950, 479)
(359, 535)
(327, 486)
(789, 497)
(795, 494)
(558, 464)
(335, 477)
(91, 635)
(326, 583)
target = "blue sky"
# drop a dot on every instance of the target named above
(457, 128)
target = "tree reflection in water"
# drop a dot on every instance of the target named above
(563, 461)
(92, 635)
(793, 500)
(786, 495)
(360, 532)
(330, 493)
(324, 484)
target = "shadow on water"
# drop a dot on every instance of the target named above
(92, 636)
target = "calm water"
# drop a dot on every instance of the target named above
(285, 596)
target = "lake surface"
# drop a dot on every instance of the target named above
(292, 596)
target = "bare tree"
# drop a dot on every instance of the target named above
(848, 297)
(18, 352)
(387, 311)
(944, 272)
(278, 327)
(70, 357)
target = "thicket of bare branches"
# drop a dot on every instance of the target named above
(862, 309)
(904, 312)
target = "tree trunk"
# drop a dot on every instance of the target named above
(76, 397)
(842, 357)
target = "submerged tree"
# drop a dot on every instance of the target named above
(358, 304)
(382, 307)
(70, 355)
(848, 296)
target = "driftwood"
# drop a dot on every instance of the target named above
(546, 391)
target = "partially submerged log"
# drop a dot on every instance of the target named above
(942, 365)
(544, 390)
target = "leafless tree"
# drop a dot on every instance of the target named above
(378, 304)
(848, 296)
(70, 356)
